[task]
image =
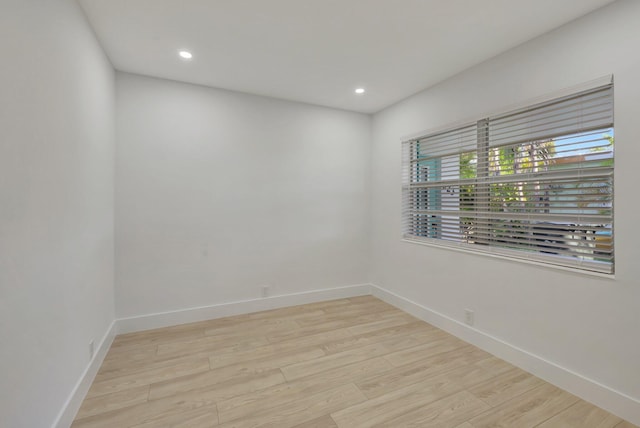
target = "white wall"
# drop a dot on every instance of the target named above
(56, 205)
(586, 324)
(218, 193)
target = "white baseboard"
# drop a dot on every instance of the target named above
(184, 316)
(602, 396)
(71, 407)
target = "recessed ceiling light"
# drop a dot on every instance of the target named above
(185, 54)
(360, 91)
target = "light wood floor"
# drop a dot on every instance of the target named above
(346, 363)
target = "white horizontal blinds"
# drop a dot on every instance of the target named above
(585, 111)
(550, 175)
(536, 183)
(431, 197)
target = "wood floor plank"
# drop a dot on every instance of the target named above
(221, 359)
(417, 353)
(116, 400)
(495, 365)
(416, 327)
(298, 370)
(527, 410)
(443, 413)
(505, 386)
(381, 409)
(155, 337)
(324, 325)
(348, 343)
(392, 321)
(353, 315)
(337, 303)
(273, 396)
(379, 336)
(321, 422)
(305, 409)
(355, 362)
(115, 361)
(236, 371)
(368, 305)
(131, 352)
(201, 348)
(253, 328)
(582, 415)
(625, 424)
(307, 330)
(163, 412)
(408, 374)
(152, 364)
(211, 344)
(292, 313)
(364, 298)
(197, 418)
(219, 389)
(147, 377)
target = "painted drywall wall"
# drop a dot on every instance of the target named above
(584, 323)
(56, 205)
(219, 193)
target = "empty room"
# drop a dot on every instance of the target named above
(319, 213)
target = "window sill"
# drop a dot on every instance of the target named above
(456, 248)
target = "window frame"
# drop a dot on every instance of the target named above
(482, 151)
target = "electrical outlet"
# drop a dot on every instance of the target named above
(91, 349)
(468, 317)
(265, 290)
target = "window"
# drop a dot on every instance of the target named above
(535, 183)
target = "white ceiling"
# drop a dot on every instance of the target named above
(319, 51)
